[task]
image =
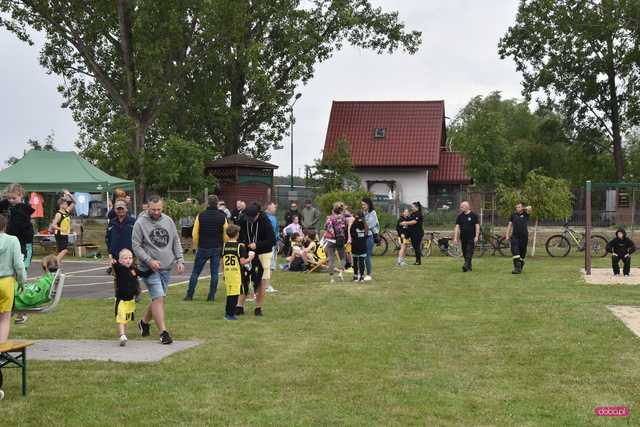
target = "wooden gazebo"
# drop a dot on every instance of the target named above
(241, 177)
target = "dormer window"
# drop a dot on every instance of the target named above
(379, 133)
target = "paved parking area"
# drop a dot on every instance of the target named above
(88, 279)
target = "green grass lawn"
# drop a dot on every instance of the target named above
(423, 345)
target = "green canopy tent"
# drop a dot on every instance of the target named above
(52, 171)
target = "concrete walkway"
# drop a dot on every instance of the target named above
(629, 315)
(108, 351)
(604, 276)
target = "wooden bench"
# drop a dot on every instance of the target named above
(18, 360)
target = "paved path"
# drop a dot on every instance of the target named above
(88, 279)
(136, 350)
(604, 276)
(629, 315)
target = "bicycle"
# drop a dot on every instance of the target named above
(431, 240)
(559, 245)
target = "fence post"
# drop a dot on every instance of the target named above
(587, 233)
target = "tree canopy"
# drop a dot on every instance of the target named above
(217, 73)
(584, 56)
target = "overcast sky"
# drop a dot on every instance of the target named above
(458, 60)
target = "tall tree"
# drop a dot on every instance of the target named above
(584, 55)
(132, 54)
(334, 171)
(34, 144)
(247, 60)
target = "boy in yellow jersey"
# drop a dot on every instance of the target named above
(235, 256)
(62, 226)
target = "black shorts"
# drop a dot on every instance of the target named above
(62, 242)
(187, 232)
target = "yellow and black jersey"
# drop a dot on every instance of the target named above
(234, 272)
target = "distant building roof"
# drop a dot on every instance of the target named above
(451, 170)
(389, 133)
(240, 160)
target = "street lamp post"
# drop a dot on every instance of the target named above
(298, 95)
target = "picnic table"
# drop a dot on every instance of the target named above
(14, 355)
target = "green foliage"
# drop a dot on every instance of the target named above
(550, 198)
(491, 128)
(177, 210)
(350, 198)
(439, 218)
(584, 56)
(334, 171)
(34, 144)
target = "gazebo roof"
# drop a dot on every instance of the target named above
(240, 160)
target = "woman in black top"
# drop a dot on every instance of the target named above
(416, 231)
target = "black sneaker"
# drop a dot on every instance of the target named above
(211, 299)
(464, 268)
(143, 328)
(109, 271)
(188, 298)
(165, 338)
(258, 311)
(239, 311)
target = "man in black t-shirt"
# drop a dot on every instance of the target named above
(467, 232)
(518, 233)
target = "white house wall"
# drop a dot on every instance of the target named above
(411, 185)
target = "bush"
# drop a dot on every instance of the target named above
(441, 218)
(351, 198)
(177, 210)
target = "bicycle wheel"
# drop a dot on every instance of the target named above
(481, 247)
(598, 246)
(380, 249)
(454, 250)
(503, 246)
(558, 246)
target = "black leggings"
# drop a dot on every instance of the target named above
(416, 242)
(626, 265)
(359, 265)
(519, 246)
(232, 301)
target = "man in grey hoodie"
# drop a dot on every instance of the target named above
(156, 243)
(11, 270)
(310, 217)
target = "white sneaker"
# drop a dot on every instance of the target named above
(340, 277)
(367, 278)
(270, 290)
(21, 320)
(1, 394)
(332, 280)
(123, 340)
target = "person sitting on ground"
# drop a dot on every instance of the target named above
(621, 247)
(36, 293)
(236, 258)
(288, 232)
(296, 261)
(127, 287)
(358, 237)
(403, 235)
(309, 244)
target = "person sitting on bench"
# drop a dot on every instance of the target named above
(37, 293)
(621, 248)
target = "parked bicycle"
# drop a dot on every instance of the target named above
(560, 245)
(431, 240)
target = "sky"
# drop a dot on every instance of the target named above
(458, 60)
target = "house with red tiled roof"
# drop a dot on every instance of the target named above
(399, 150)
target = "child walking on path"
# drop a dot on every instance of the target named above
(235, 256)
(358, 238)
(621, 248)
(127, 288)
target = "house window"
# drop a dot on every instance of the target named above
(379, 133)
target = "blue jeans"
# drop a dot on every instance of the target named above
(157, 283)
(202, 256)
(367, 261)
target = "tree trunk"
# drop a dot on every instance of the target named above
(138, 144)
(614, 107)
(236, 104)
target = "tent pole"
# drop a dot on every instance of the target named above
(587, 234)
(135, 203)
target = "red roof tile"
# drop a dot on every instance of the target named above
(413, 132)
(450, 171)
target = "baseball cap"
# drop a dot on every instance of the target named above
(252, 211)
(120, 204)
